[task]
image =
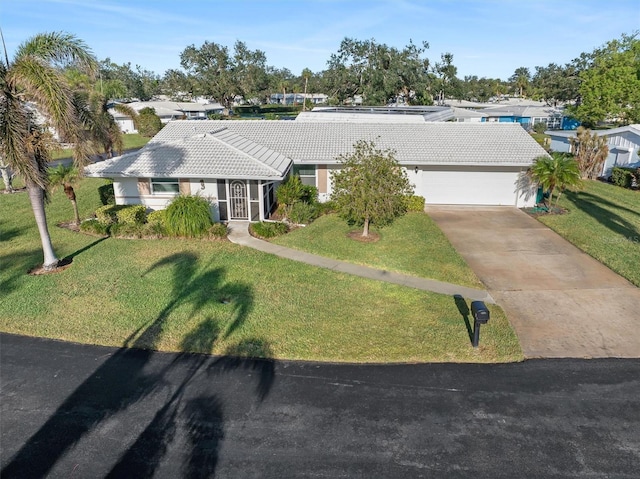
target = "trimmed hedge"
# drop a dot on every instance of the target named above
(108, 214)
(415, 203)
(268, 229)
(107, 195)
(94, 226)
(132, 215)
(157, 218)
(622, 176)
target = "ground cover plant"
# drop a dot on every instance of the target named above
(413, 245)
(603, 221)
(214, 296)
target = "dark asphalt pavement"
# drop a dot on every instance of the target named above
(79, 411)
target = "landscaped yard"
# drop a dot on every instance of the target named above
(131, 141)
(603, 221)
(413, 244)
(186, 295)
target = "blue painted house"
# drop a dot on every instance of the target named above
(530, 115)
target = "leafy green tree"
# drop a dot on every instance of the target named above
(445, 73)
(555, 173)
(555, 83)
(371, 187)
(520, 80)
(377, 72)
(610, 87)
(32, 75)
(148, 122)
(218, 74)
(66, 176)
(590, 151)
(138, 84)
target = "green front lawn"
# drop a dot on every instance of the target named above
(180, 295)
(603, 221)
(130, 140)
(413, 245)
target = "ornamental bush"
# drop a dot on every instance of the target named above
(156, 218)
(188, 216)
(268, 229)
(94, 226)
(108, 214)
(303, 213)
(622, 176)
(132, 215)
(218, 231)
(415, 203)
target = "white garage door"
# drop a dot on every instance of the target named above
(466, 187)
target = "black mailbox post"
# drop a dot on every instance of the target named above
(480, 314)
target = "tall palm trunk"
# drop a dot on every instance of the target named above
(71, 194)
(6, 177)
(36, 197)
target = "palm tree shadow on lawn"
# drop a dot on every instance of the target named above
(590, 204)
(128, 380)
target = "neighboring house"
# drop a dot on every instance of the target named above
(624, 144)
(297, 98)
(469, 115)
(167, 111)
(372, 114)
(237, 164)
(530, 115)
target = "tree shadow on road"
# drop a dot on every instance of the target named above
(118, 387)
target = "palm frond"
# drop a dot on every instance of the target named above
(44, 85)
(59, 48)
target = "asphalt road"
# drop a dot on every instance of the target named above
(82, 411)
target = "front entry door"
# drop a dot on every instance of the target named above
(238, 200)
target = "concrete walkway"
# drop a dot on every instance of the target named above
(560, 301)
(239, 234)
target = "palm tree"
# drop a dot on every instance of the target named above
(66, 176)
(556, 172)
(32, 76)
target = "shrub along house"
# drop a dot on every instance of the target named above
(237, 164)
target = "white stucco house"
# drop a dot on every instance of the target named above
(167, 111)
(624, 146)
(238, 164)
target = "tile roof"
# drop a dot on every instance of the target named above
(219, 154)
(486, 144)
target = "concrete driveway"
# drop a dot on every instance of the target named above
(561, 302)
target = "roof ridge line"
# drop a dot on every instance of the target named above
(244, 153)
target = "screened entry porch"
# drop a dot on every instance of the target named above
(246, 200)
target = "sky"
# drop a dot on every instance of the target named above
(489, 38)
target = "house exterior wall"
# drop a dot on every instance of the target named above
(623, 149)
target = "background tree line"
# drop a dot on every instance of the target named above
(600, 85)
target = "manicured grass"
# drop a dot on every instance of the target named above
(130, 140)
(603, 221)
(541, 138)
(217, 297)
(413, 245)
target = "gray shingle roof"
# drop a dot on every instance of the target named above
(487, 144)
(219, 154)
